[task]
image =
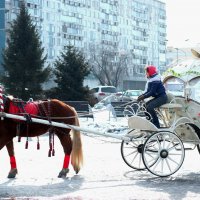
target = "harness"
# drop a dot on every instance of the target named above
(47, 113)
(29, 109)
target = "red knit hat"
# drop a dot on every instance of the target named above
(151, 70)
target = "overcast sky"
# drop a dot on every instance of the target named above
(183, 22)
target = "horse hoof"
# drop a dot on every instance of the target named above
(12, 173)
(76, 170)
(63, 173)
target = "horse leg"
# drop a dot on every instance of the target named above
(66, 142)
(13, 170)
(65, 169)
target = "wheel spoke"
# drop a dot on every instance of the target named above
(134, 157)
(175, 154)
(162, 165)
(131, 146)
(172, 160)
(131, 153)
(156, 164)
(152, 146)
(168, 165)
(173, 147)
(163, 144)
(170, 142)
(151, 153)
(153, 158)
(157, 139)
(136, 143)
(140, 160)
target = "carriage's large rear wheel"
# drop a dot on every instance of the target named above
(163, 153)
(132, 153)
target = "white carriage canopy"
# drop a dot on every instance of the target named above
(183, 79)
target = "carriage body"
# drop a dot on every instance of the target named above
(187, 74)
(162, 151)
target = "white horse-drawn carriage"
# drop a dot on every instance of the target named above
(162, 151)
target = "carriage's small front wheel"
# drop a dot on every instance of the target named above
(163, 153)
(132, 153)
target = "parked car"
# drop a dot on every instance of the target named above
(130, 95)
(100, 92)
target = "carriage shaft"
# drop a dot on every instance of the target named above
(69, 126)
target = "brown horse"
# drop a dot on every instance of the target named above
(54, 110)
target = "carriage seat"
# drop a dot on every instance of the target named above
(140, 123)
(171, 105)
(171, 102)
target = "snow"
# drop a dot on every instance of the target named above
(104, 176)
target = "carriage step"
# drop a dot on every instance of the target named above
(189, 148)
(185, 149)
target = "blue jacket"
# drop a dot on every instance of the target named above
(155, 88)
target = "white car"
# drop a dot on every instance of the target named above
(130, 95)
(100, 92)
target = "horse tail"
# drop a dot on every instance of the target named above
(77, 153)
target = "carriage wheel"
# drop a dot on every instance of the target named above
(132, 153)
(163, 153)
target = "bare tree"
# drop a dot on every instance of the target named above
(108, 65)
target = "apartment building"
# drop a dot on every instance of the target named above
(136, 28)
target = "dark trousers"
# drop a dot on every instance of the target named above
(155, 103)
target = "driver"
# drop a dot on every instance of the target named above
(155, 89)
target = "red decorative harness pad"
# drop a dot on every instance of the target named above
(30, 108)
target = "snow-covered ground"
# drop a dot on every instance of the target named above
(104, 175)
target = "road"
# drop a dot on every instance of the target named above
(104, 175)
